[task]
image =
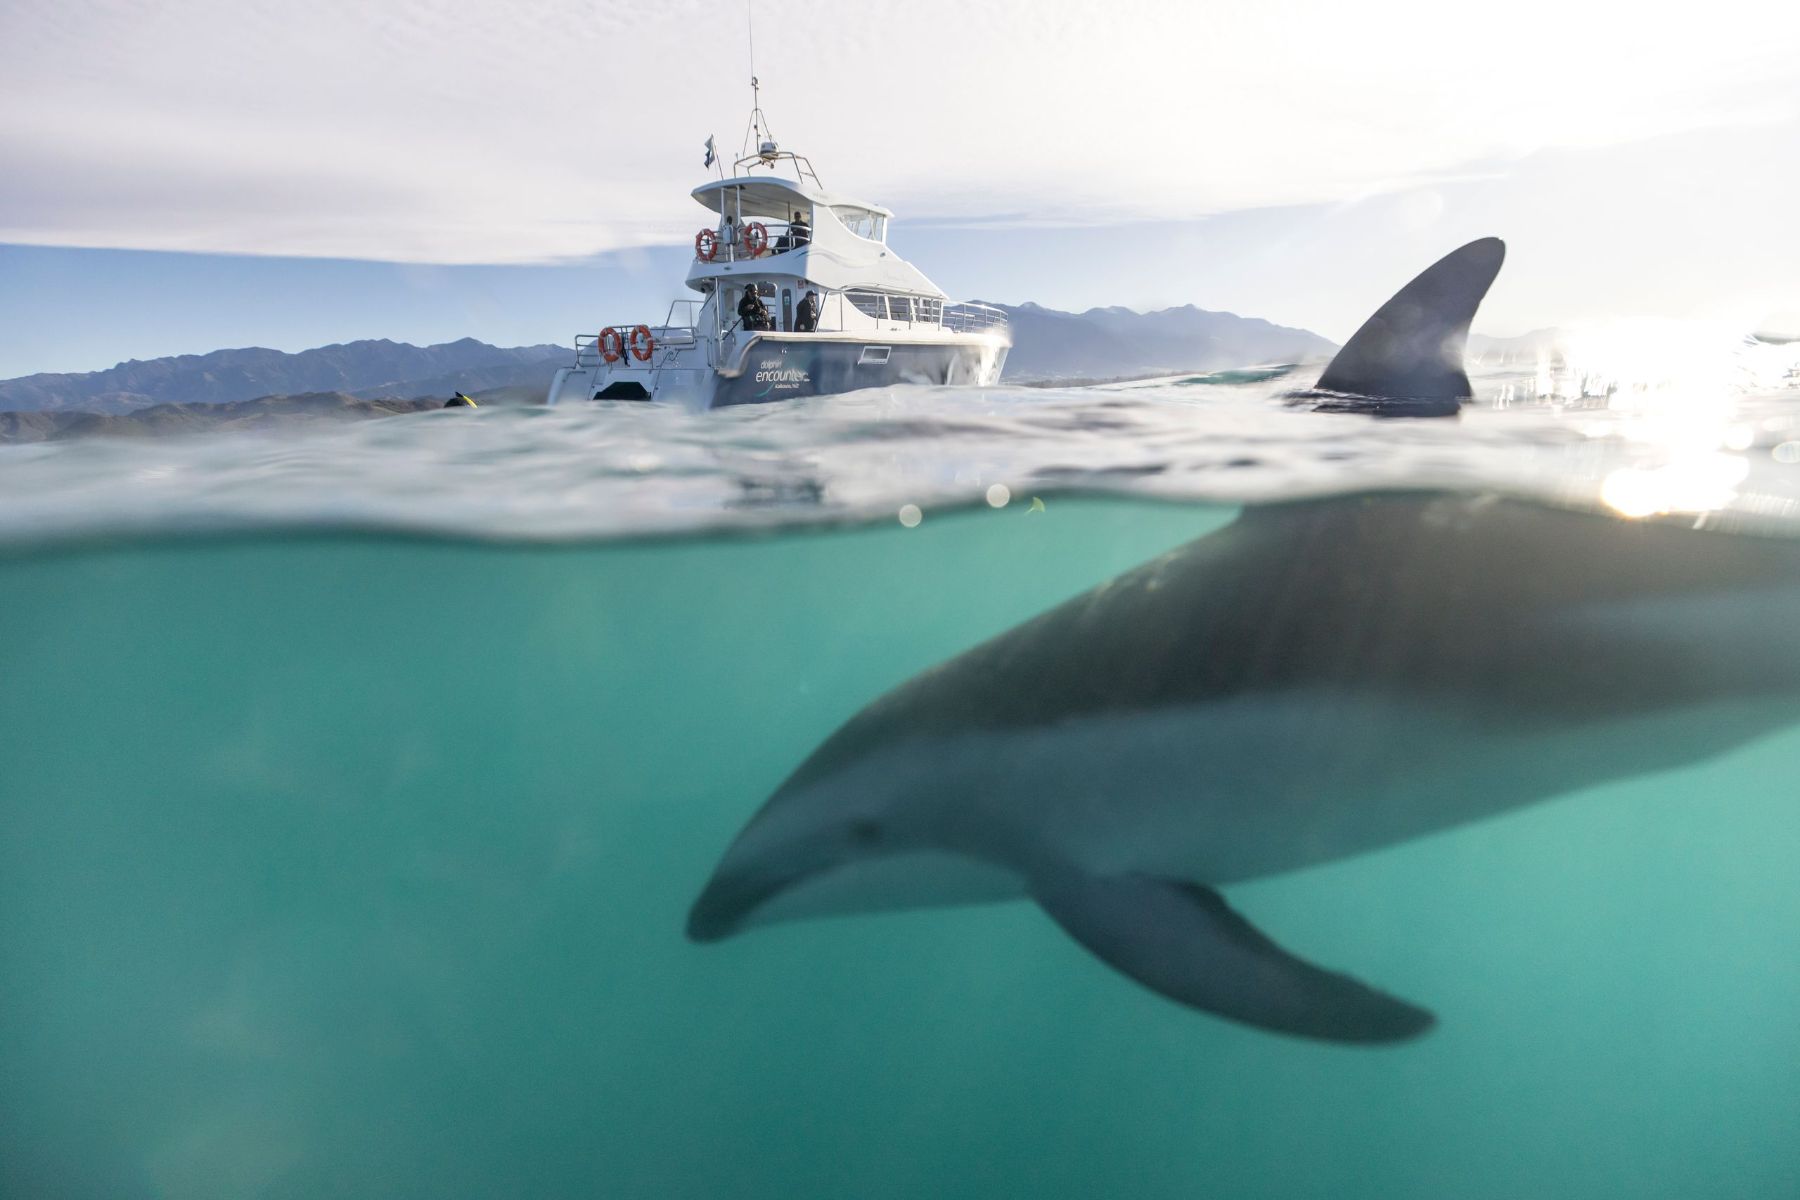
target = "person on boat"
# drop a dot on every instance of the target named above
(800, 230)
(806, 318)
(752, 312)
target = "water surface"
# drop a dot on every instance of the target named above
(354, 790)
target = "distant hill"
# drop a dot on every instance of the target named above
(265, 413)
(1112, 343)
(369, 369)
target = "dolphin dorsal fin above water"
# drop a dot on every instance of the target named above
(1412, 348)
(1183, 941)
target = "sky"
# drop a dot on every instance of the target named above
(181, 176)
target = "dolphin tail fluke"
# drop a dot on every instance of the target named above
(1411, 350)
(1183, 941)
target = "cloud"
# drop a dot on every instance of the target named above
(518, 132)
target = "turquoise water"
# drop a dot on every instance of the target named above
(348, 863)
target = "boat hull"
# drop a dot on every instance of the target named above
(781, 368)
(784, 366)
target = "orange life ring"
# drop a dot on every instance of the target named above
(706, 245)
(612, 344)
(756, 238)
(643, 345)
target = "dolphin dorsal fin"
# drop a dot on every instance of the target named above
(1412, 348)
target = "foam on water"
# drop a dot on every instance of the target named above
(1717, 443)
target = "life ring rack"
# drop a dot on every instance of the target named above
(756, 239)
(706, 245)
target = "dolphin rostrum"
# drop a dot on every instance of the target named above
(1316, 680)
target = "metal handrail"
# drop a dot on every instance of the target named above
(670, 333)
(970, 317)
(930, 311)
(803, 168)
(693, 314)
(735, 250)
(664, 339)
(920, 310)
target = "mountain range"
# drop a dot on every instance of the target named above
(366, 369)
(1101, 343)
(263, 414)
(1116, 343)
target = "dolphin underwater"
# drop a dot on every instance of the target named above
(1316, 680)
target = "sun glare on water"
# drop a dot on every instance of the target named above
(1674, 390)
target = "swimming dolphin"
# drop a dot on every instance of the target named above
(1316, 680)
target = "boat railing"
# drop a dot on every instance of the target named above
(770, 155)
(970, 317)
(781, 238)
(688, 310)
(670, 335)
(908, 311)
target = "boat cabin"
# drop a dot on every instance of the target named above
(786, 236)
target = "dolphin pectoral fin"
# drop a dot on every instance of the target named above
(1183, 941)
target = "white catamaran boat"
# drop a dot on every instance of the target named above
(876, 320)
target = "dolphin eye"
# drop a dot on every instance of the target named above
(865, 833)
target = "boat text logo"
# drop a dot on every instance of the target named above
(774, 371)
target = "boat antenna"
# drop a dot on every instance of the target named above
(750, 23)
(759, 132)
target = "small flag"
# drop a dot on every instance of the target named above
(710, 156)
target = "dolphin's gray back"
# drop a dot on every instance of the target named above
(1523, 616)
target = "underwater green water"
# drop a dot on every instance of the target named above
(336, 866)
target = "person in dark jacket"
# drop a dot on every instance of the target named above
(800, 230)
(806, 319)
(751, 310)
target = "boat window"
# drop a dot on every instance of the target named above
(901, 307)
(880, 229)
(860, 221)
(931, 311)
(869, 304)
